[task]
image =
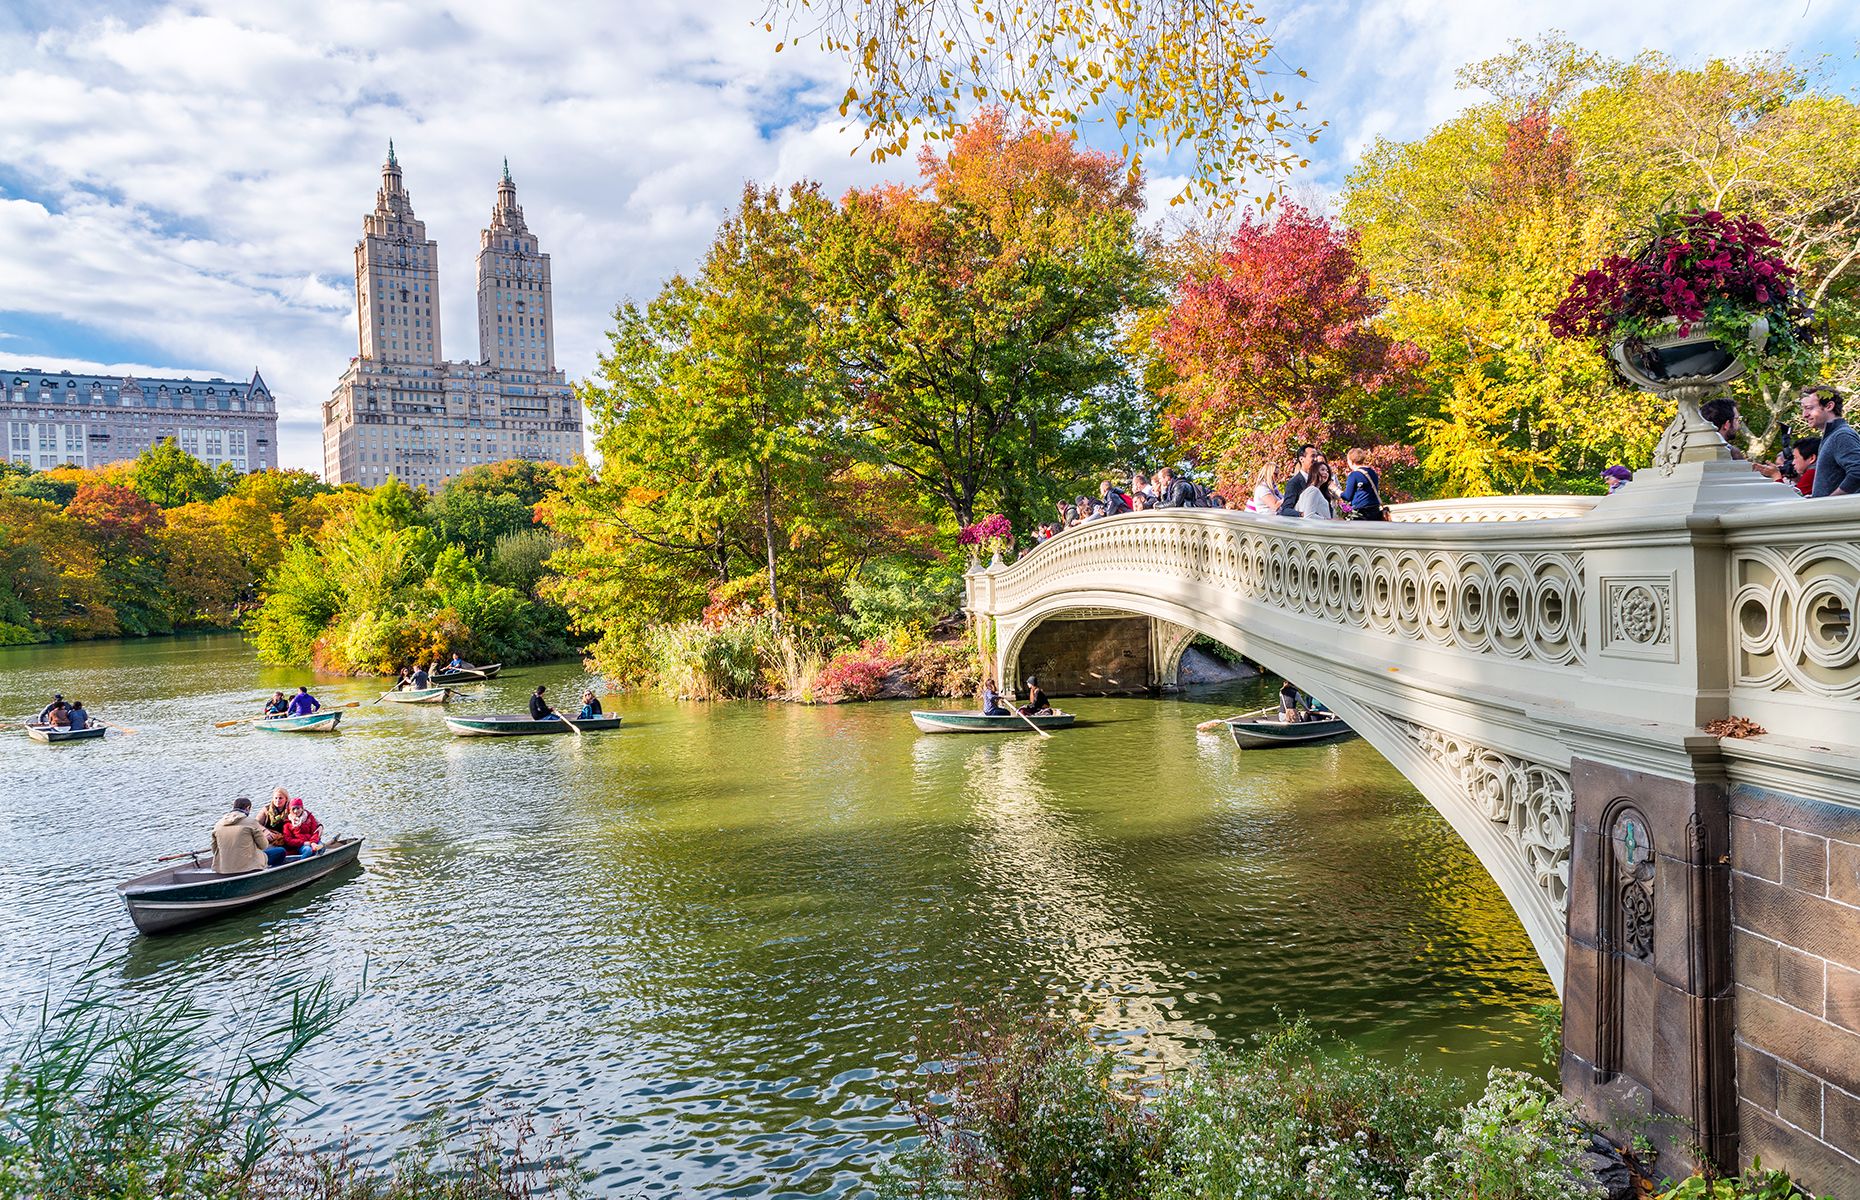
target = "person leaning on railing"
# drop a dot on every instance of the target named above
(1837, 463)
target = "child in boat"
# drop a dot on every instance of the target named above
(590, 707)
(303, 834)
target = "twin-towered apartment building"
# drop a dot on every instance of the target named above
(402, 410)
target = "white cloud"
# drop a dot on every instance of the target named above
(185, 185)
(188, 185)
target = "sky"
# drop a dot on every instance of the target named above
(182, 186)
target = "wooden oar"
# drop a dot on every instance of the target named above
(274, 716)
(571, 725)
(112, 725)
(189, 854)
(1219, 721)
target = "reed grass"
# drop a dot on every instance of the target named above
(110, 1094)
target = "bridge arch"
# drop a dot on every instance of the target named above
(1545, 671)
(1513, 812)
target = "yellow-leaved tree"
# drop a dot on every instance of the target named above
(1165, 73)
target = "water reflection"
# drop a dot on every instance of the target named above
(709, 933)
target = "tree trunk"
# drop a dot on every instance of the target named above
(768, 542)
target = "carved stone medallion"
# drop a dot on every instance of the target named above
(1633, 861)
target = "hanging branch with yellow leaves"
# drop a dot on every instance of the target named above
(1167, 73)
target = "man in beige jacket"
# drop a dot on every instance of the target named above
(239, 841)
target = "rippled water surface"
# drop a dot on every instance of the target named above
(707, 935)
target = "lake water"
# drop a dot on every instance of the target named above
(706, 937)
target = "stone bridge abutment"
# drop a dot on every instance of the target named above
(1542, 670)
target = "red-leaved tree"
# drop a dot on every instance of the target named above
(1277, 347)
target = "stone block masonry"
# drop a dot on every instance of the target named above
(1795, 934)
(1106, 657)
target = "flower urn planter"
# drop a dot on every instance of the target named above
(1671, 359)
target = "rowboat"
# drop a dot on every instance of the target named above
(960, 721)
(57, 733)
(466, 674)
(1262, 729)
(316, 722)
(520, 725)
(431, 695)
(178, 896)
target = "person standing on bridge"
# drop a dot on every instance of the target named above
(1362, 488)
(1837, 460)
(1288, 503)
(1314, 499)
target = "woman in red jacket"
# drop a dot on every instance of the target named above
(303, 835)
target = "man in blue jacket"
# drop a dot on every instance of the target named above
(1837, 465)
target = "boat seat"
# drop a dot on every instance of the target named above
(192, 876)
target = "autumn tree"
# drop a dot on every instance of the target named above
(122, 525)
(975, 318)
(1277, 345)
(1475, 230)
(51, 578)
(1164, 73)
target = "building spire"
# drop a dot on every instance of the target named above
(391, 160)
(506, 168)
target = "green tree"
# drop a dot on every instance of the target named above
(975, 319)
(522, 478)
(169, 476)
(475, 521)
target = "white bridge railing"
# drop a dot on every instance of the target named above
(1485, 645)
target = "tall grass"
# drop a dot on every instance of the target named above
(136, 1097)
(105, 1097)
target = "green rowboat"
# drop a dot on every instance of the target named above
(316, 722)
(58, 733)
(960, 721)
(431, 695)
(466, 674)
(1263, 729)
(179, 896)
(520, 725)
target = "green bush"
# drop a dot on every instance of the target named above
(899, 602)
(106, 1098)
(1519, 1141)
(1288, 1119)
(1017, 1106)
(700, 662)
(1754, 1184)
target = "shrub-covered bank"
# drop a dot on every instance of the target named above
(1025, 1106)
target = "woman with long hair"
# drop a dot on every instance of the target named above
(1315, 500)
(1266, 497)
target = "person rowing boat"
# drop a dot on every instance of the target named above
(303, 703)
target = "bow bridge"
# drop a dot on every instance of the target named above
(1542, 669)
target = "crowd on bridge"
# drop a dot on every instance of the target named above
(1312, 489)
(1826, 463)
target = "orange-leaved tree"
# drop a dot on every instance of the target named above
(1277, 346)
(975, 318)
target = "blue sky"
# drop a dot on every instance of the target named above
(181, 186)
